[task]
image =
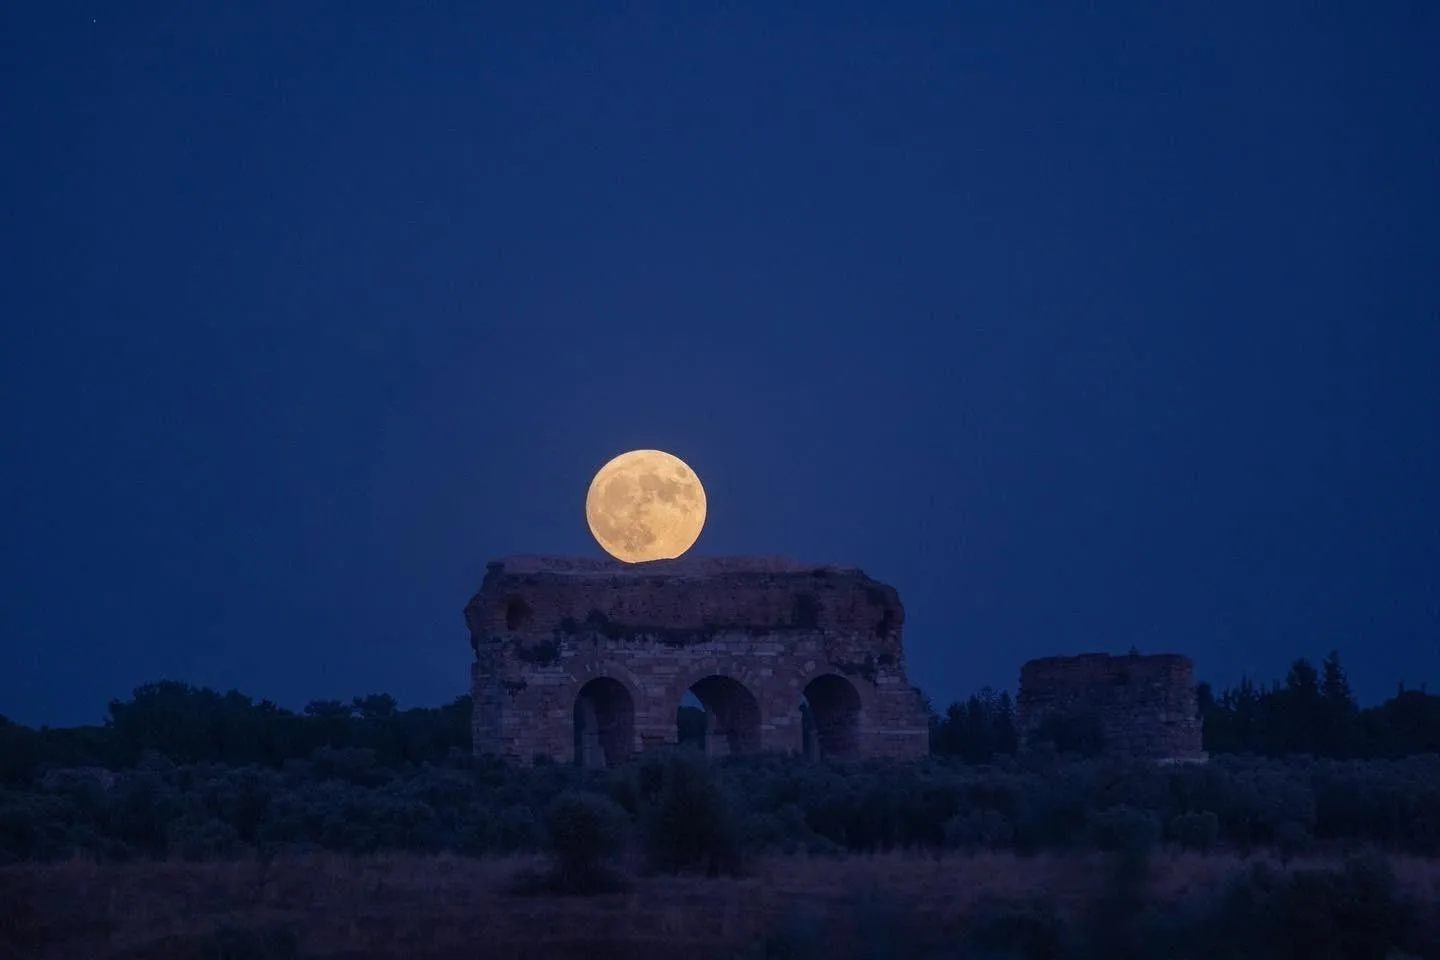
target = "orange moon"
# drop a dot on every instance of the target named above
(645, 505)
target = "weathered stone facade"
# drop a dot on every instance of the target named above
(1141, 706)
(588, 659)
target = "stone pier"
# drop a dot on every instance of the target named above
(1140, 706)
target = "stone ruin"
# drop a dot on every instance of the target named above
(587, 660)
(1136, 706)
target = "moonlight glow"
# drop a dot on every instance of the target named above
(645, 505)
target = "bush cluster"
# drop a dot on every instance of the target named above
(689, 813)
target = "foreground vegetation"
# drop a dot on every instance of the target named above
(344, 801)
(202, 824)
(181, 771)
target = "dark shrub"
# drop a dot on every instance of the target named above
(691, 823)
(1356, 911)
(976, 829)
(140, 809)
(1195, 831)
(197, 839)
(1292, 839)
(584, 831)
(1125, 829)
(357, 765)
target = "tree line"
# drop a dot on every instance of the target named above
(188, 724)
(1312, 712)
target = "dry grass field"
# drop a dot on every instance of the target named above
(449, 907)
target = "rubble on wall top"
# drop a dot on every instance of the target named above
(681, 567)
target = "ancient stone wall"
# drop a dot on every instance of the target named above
(590, 658)
(1140, 706)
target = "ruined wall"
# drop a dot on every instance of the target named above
(618, 645)
(1143, 706)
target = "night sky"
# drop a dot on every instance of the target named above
(1083, 324)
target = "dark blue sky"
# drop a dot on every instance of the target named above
(1083, 327)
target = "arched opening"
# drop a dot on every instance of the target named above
(690, 722)
(604, 723)
(830, 717)
(731, 715)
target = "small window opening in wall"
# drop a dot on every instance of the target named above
(885, 627)
(517, 613)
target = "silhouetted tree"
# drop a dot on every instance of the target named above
(1315, 713)
(330, 709)
(375, 706)
(1312, 712)
(977, 731)
(1339, 731)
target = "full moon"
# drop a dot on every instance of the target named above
(645, 505)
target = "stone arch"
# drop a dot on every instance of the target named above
(737, 668)
(604, 722)
(834, 722)
(733, 710)
(866, 690)
(581, 668)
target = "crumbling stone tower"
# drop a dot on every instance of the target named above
(1137, 706)
(588, 659)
